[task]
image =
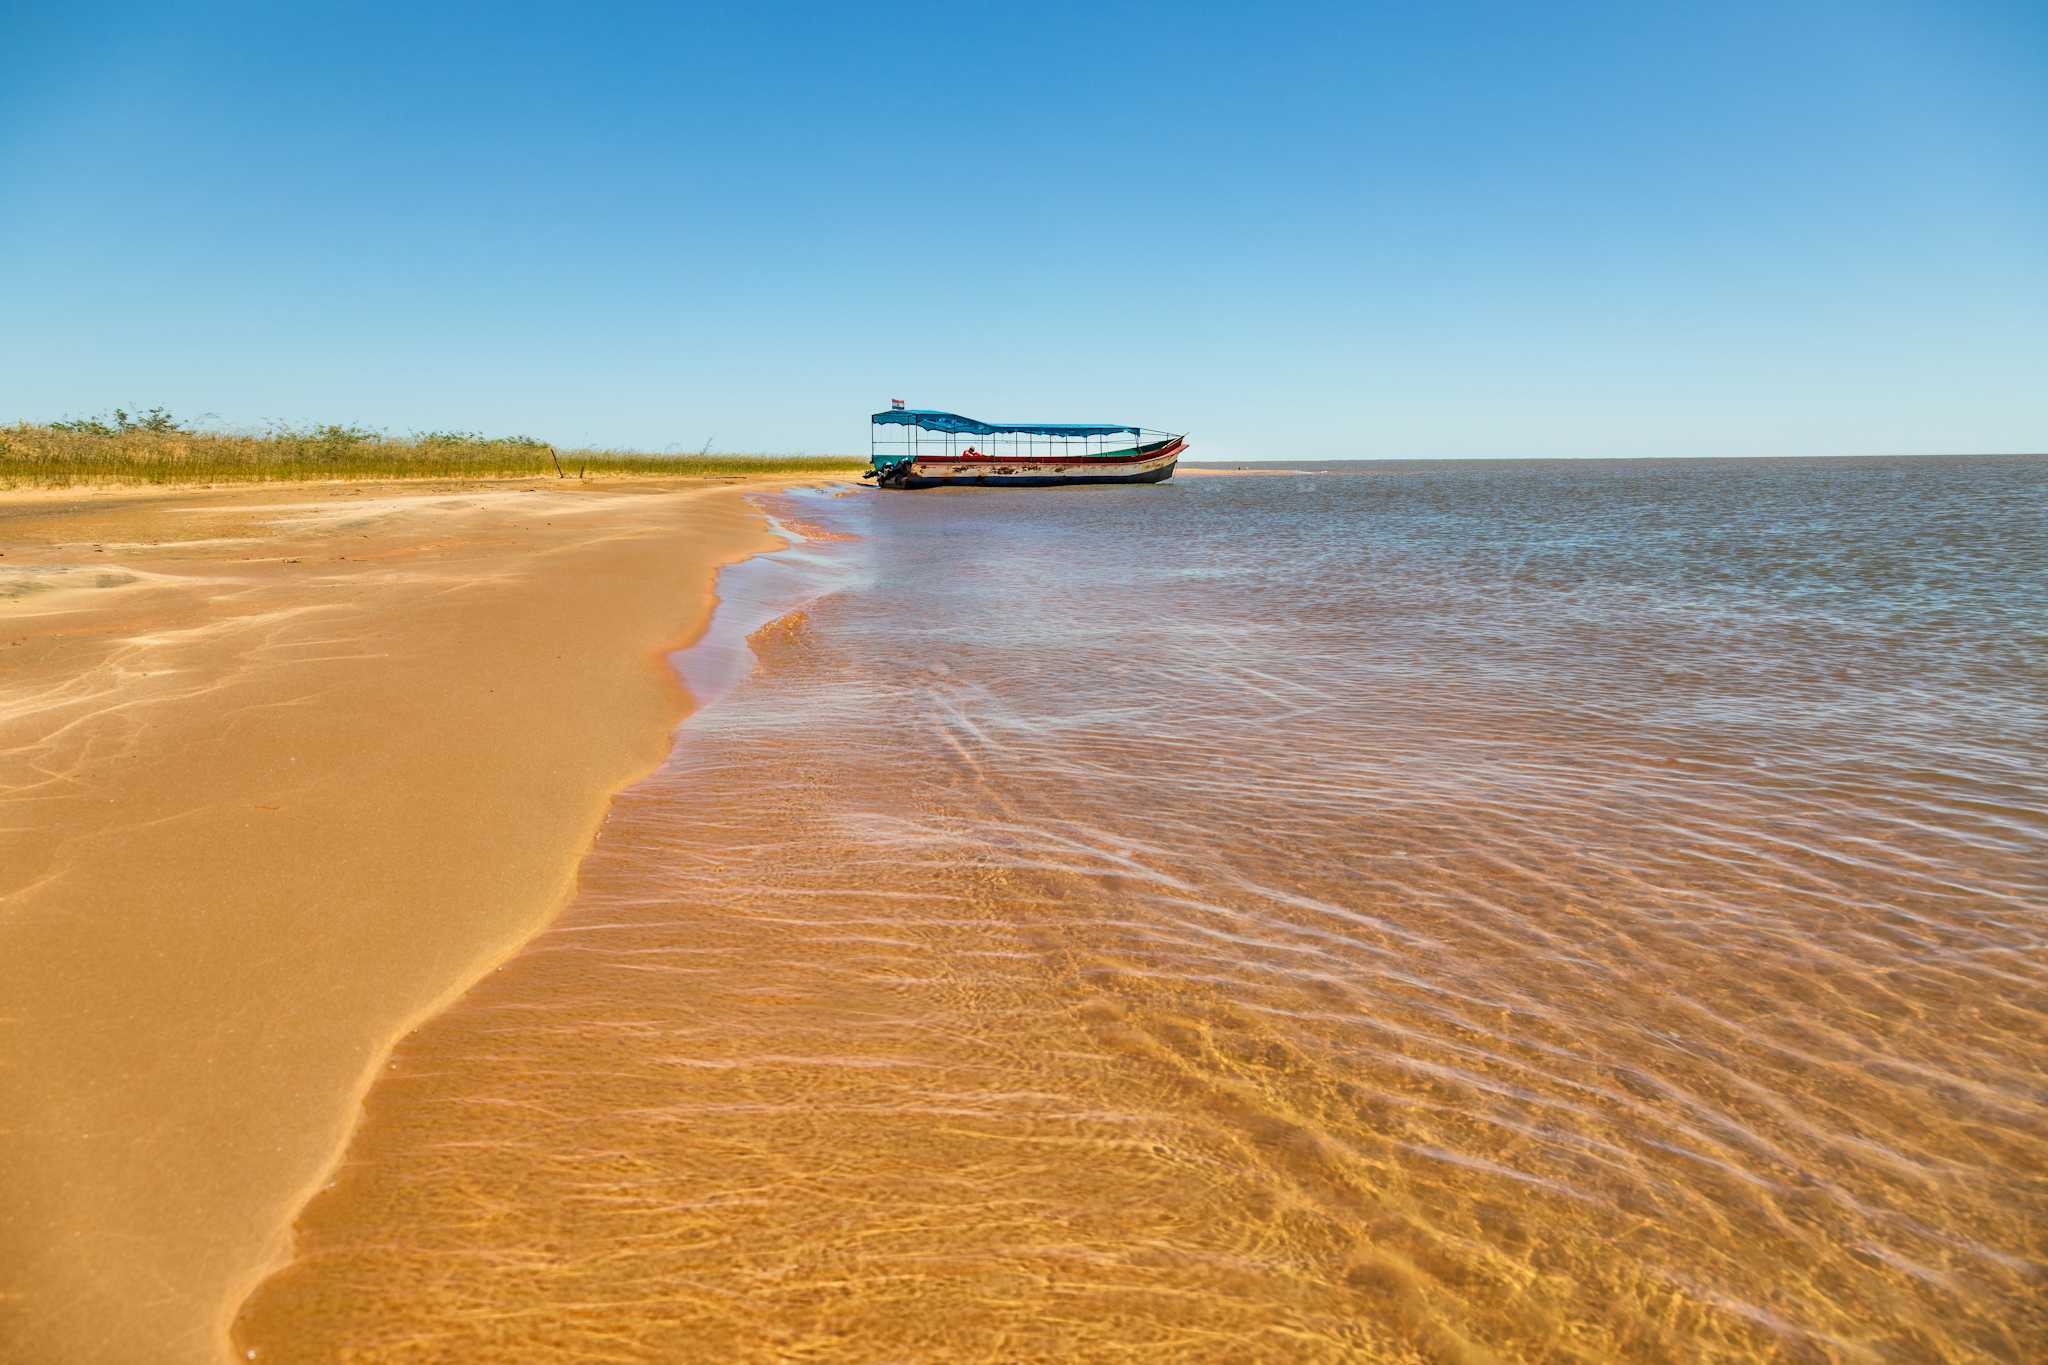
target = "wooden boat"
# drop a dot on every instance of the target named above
(924, 448)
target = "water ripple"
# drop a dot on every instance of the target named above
(1465, 912)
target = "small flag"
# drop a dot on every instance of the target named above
(895, 405)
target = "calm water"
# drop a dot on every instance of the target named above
(1428, 911)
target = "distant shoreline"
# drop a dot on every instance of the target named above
(1230, 471)
(1270, 466)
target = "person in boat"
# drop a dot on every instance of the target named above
(970, 454)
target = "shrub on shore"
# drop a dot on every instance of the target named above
(154, 447)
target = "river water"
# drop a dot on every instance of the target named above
(1437, 911)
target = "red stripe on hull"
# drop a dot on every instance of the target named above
(1138, 456)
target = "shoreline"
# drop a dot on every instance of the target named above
(748, 606)
(189, 1070)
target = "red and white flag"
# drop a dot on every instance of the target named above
(895, 405)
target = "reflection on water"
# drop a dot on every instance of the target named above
(1518, 910)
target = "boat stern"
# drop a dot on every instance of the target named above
(888, 470)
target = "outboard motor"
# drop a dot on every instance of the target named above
(889, 473)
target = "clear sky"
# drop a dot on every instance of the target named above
(1782, 227)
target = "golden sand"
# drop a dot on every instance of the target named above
(284, 770)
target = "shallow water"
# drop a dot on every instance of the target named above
(1442, 911)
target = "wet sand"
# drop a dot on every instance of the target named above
(284, 770)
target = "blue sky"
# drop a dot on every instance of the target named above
(1296, 231)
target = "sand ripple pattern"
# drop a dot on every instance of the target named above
(1451, 912)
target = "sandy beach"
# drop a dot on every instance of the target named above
(284, 769)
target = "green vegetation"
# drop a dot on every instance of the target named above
(155, 448)
(156, 419)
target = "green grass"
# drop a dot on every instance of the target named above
(133, 451)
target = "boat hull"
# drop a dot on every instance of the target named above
(1146, 464)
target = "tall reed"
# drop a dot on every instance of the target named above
(95, 452)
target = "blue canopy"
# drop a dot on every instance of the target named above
(967, 426)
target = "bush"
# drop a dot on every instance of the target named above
(83, 426)
(338, 436)
(158, 420)
(477, 438)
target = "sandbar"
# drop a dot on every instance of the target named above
(284, 770)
